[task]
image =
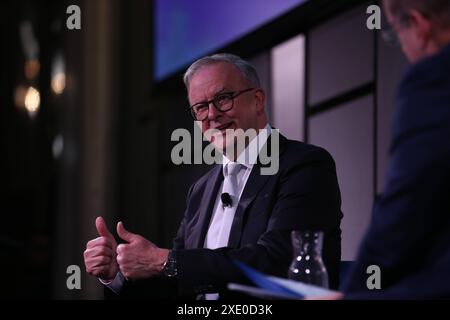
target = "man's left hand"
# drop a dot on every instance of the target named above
(138, 258)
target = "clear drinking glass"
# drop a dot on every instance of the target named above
(307, 265)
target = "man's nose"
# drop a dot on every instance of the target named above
(213, 113)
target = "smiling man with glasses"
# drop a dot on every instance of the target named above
(225, 96)
(224, 128)
(234, 212)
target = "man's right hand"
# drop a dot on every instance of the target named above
(100, 254)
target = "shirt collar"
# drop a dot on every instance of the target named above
(249, 156)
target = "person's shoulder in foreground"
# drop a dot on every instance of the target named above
(409, 236)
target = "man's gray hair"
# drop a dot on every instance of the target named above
(437, 10)
(247, 70)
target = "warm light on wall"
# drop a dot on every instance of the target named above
(58, 74)
(58, 82)
(32, 101)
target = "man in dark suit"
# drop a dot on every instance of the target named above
(253, 222)
(409, 236)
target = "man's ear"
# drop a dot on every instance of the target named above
(260, 97)
(421, 26)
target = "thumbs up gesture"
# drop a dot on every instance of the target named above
(100, 254)
(138, 258)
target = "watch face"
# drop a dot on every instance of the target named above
(170, 270)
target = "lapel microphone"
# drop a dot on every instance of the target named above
(226, 200)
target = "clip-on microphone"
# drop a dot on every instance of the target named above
(226, 200)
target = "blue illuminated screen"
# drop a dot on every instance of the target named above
(187, 29)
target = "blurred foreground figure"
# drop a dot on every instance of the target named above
(409, 235)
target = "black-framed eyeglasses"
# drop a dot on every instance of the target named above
(223, 102)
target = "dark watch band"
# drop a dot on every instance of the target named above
(170, 266)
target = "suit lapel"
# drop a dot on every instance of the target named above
(254, 184)
(207, 206)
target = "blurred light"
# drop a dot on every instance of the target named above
(32, 101)
(58, 74)
(58, 146)
(32, 67)
(58, 83)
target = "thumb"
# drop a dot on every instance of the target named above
(102, 229)
(124, 234)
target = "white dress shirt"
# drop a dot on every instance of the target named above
(222, 219)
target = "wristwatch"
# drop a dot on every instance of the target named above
(170, 266)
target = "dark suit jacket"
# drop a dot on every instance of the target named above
(409, 236)
(304, 194)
